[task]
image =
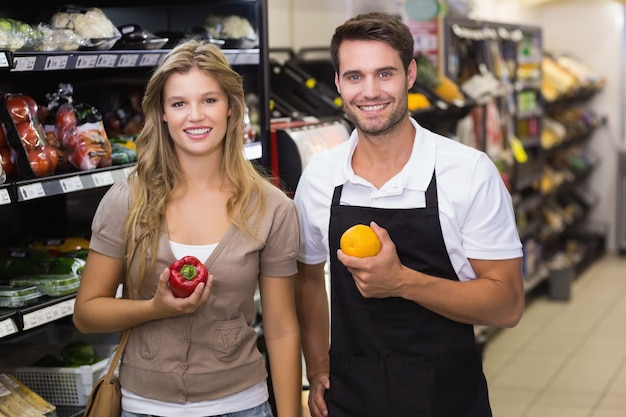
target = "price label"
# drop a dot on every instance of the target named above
(48, 314)
(30, 191)
(7, 327)
(5, 198)
(26, 63)
(128, 60)
(56, 62)
(149, 60)
(106, 61)
(71, 184)
(86, 61)
(102, 178)
(4, 60)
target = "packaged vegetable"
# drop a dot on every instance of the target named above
(54, 285)
(79, 130)
(12, 296)
(90, 23)
(16, 35)
(35, 157)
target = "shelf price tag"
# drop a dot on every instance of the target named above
(86, 61)
(7, 327)
(48, 314)
(128, 60)
(26, 63)
(106, 61)
(149, 60)
(56, 62)
(5, 62)
(71, 184)
(102, 178)
(31, 191)
(5, 198)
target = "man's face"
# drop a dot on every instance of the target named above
(373, 85)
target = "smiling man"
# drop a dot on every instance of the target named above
(401, 322)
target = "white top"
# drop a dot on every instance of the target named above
(475, 208)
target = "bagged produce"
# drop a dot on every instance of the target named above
(16, 35)
(31, 152)
(79, 130)
(90, 23)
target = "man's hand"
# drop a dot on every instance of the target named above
(375, 276)
(317, 386)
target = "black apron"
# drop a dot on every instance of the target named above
(391, 357)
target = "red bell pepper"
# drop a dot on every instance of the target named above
(185, 274)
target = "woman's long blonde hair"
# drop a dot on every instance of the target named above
(158, 172)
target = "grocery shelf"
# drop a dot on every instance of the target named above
(46, 310)
(109, 59)
(67, 183)
(83, 180)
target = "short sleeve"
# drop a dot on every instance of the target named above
(278, 257)
(108, 222)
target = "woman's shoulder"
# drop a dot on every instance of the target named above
(118, 195)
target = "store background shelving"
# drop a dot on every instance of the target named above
(58, 205)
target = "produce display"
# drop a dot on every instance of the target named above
(185, 275)
(429, 77)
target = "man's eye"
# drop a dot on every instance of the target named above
(385, 74)
(353, 77)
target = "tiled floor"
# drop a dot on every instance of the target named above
(565, 358)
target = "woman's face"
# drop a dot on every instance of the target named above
(196, 110)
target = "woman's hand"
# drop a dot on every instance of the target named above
(168, 305)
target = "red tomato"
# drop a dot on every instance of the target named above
(64, 121)
(7, 164)
(18, 107)
(39, 163)
(53, 157)
(28, 135)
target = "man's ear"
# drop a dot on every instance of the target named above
(411, 74)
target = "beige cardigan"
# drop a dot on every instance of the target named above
(211, 353)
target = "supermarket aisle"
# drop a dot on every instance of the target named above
(565, 358)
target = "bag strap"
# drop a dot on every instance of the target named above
(117, 356)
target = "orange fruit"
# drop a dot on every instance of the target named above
(360, 240)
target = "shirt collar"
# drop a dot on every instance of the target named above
(420, 165)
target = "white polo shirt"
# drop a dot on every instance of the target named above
(475, 208)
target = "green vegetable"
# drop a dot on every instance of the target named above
(78, 353)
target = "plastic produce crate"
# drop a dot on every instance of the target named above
(57, 385)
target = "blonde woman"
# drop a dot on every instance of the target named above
(193, 193)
